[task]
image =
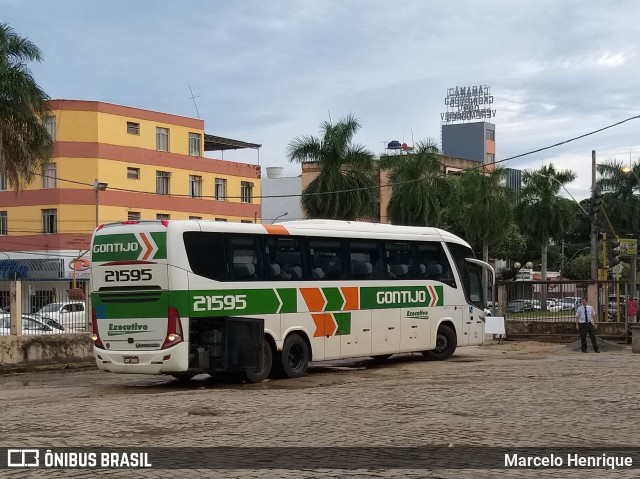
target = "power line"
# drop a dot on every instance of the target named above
(390, 184)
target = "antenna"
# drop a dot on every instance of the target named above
(194, 101)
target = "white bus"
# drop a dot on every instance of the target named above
(190, 297)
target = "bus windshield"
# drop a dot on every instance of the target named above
(470, 274)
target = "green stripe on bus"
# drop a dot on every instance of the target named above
(343, 320)
(335, 301)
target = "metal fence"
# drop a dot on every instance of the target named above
(557, 301)
(47, 307)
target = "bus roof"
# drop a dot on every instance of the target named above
(326, 228)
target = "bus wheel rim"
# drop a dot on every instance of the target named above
(441, 343)
(295, 357)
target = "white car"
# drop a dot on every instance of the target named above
(70, 314)
(29, 326)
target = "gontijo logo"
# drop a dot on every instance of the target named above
(142, 246)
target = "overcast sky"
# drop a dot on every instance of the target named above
(268, 71)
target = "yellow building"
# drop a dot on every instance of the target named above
(115, 163)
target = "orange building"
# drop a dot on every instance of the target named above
(114, 163)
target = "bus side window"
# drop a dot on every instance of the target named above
(284, 259)
(433, 264)
(326, 258)
(399, 260)
(366, 262)
(206, 254)
(244, 257)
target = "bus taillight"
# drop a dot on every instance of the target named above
(174, 329)
(95, 336)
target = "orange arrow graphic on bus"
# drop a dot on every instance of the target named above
(314, 298)
(325, 325)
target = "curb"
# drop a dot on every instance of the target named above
(6, 369)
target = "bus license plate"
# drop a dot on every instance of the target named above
(131, 359)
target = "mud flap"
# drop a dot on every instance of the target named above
(244, 342)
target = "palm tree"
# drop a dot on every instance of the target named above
(25, 144)
(620, 187)
(544, 215)
(346, 187)
(420, 190)
(486, 208)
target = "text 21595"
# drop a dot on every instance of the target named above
(127, 275)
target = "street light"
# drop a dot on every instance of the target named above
(278, 217)
(98, 186)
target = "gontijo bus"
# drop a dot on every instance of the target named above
(189, 297)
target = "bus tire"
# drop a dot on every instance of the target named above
(294, 357)
(446, 343)
(381, 357)
(186, 376)
(259, 376)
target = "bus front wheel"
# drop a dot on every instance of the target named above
(294, 358)
(261, 375)
(446, 342)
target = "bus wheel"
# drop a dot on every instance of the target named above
(294, 357)
(446, 342)
(259, 376)
(183, 376)
(381, 357)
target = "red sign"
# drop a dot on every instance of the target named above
(80, 264)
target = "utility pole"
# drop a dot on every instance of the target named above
(594, 229)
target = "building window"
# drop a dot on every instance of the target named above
(162, 139)
(221, 189)
(3, 223)
(163, 216)
(50, 221)
(195, 186)
(221, 219)
(133, 173)
(49, 175)
(3, 182)
(246, 191)
(194, 144)
(195, 217)
(50, 125)
(133, 128)
(133, 216)
(491, 158)
(491, 135)
(162, 182)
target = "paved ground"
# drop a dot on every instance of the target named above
(514, 394)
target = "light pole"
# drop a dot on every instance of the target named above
(278, 217)
(98, 186)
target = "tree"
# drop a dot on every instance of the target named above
(346, 187)
(420, 191)
(620, 200)
(542, 213)
(512, 245)
(486, 207)
(25, 144)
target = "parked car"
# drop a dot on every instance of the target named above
(568, 303)
(70, 314)
(612, 307)
(520, 306)
(30, 325)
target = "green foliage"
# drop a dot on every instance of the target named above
(25, 144)
(620, 201)
(486, 206)
(579, 268)
(420, 190)
(347, 186)
(512, 245)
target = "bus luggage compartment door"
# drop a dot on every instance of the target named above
(243, 344)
